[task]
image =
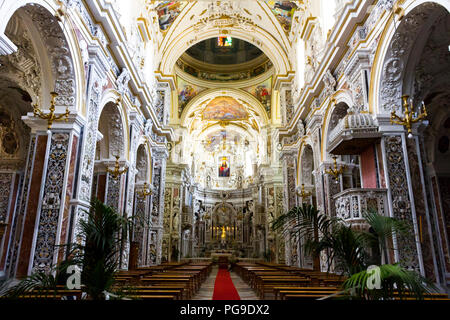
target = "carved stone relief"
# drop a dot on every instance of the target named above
(51, 203)
(401, 203)
(398, 54)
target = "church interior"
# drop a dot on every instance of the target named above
(225, 150)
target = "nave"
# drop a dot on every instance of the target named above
(307, 142)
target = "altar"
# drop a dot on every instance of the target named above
(222, 253)
(223, 257)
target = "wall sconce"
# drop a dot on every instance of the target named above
(117, 172)
(146, 191)
(50, 117)
(411, 116)
(335, 172)
(302, 193)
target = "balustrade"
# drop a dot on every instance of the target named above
(351, 204)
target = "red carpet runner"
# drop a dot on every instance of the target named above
(224, 288)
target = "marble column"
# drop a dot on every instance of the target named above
(157, 206)
(11, 180)
(97, 69)
(42, 221)
(424, 210)
(290, 201)
(141, 223)
(401, 200)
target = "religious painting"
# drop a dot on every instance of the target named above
(224, 168)
(263, 92)
(186, 91)
(224, 109)
(284, 11)
(168, 11)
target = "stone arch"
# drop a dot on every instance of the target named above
(334, 114)
(111, 126)
(396, 50)
(272, 42)
(56, 51)
(111, 102)
(199, 101)
(244, 133)
(278, 56)
(143, 165)
(306, 164)
(233, 212)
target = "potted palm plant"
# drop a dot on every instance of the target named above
(96, 254)
(349, 251)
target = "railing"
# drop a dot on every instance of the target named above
(351, 204)
(354, 126)
(362, 123)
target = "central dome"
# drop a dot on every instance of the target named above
(224, 59)
(224, 51)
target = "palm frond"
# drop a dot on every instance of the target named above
(394, 281)
(37, 282)
(383, 227)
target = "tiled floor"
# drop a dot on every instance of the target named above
(245, 292)
(207, 288)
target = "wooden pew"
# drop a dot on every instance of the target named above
(185, 282)
(266, 284)
(286, 289)
(177, 293)
(155, 297)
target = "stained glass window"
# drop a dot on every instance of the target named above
(224, 41)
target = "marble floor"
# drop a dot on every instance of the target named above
(207, 289)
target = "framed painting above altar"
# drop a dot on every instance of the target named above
(224, 168)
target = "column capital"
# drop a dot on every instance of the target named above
(287, 154)
(74, 122)
(160, 153)
(98, 59)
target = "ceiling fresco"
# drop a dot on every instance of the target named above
(284, 11)
(168, 11)
(225, 109)
(186, 91)
(263, 92)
